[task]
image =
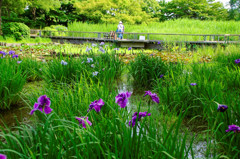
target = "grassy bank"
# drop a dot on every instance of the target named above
(24, 41)
(180, 26)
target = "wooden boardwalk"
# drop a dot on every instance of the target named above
(138, 39)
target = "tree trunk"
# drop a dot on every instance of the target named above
(0, 17)
(34, 13)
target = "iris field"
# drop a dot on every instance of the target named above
(121, 103)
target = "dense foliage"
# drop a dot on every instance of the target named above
(49, 12)
(16, 30)
(234, 12)
(195, 9)
(54, 30)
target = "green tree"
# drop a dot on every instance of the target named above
(63, 15)
(234, 12)
(111, 11)
(8, 6)
(217, 11)
(45, 5)
(196, 9)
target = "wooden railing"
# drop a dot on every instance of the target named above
(136, 36)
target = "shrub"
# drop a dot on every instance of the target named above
(54, 30)
(16, 30)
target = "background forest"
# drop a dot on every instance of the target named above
(39, 14)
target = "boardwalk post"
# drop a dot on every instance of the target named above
(226, 37)
(135, 36)
(205, 38)
(40, 33)
(99, 35)
(148, 36)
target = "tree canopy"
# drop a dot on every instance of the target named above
(234, 12)
(130, 11)
(196, 9)
(39, 13)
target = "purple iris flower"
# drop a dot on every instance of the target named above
(88, 49)
(2, 52)
(19, 62)
(89, 60)
(154, 96)
(14, 56)
(2, 156)
(64, 62)
(158, 42)
(102, 50)
(95, 73)
(122, 99)
(222, 108)
(102, 43)
(233, 128)
(42, 104)
(83, 120)
(161, 76)
(130, 48)
(115, 49)
(135, 115)
(193, 84)
(237, 61)
(97, 105)
(11, 52)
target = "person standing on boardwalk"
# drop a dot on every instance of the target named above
(120, 30)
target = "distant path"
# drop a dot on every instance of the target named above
(140, 40)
